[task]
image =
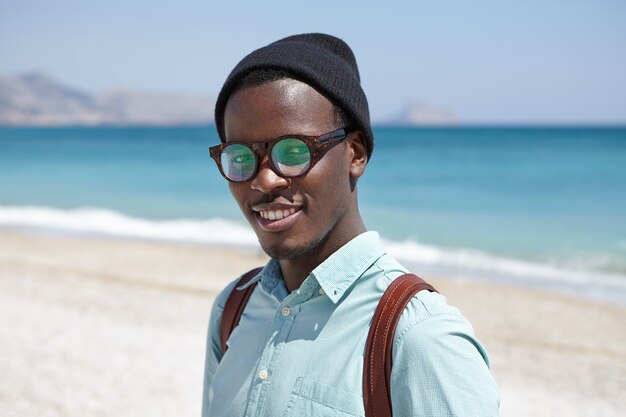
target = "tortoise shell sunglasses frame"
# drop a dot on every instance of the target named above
(318, 146)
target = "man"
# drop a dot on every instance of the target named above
(296, 138)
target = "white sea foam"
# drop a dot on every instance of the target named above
(216, 231)
(111, 223)
(478, 263)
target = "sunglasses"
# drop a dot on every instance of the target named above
(289, 156)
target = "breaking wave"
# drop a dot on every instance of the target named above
(469, 263)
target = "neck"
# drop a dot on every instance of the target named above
(296, 270)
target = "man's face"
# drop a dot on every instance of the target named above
(291, 217)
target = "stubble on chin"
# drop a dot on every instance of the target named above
(283, 251)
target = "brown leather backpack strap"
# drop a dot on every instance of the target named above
(377, 367)
(235, 304)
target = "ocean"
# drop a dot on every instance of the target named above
(535, 206)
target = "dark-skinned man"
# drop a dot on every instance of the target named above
(296, 138)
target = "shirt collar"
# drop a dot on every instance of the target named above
(270, 276)
(337, 273)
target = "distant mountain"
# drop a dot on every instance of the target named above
(421, 114)
(37, 99)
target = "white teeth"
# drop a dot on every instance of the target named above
(276, 214)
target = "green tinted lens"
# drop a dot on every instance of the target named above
(291, 156)
(238, 162)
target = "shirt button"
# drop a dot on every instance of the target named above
(263, 374)
(322, 291)
(286, 311)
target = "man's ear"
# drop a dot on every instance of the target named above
(358, 154)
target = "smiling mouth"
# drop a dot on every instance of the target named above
(276, 214)
(277, 220)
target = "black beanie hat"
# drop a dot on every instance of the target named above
(322, 61)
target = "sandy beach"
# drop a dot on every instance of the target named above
(99, 327)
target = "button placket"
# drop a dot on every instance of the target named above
(267, 365)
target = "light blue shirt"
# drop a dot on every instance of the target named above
(301, 354)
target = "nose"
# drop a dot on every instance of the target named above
(266, 180)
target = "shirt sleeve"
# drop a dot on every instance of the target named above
(440, 369)
(213, 345)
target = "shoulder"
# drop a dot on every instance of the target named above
(428, 310)
(217, 310)
(436, 355)
(437, 330)
(222, 297)
(428, 319)
(429, 324)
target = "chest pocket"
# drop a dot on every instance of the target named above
(310, 398)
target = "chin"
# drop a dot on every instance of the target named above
(289, 251)
(286, 252)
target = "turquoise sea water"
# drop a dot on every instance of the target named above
(495, 202)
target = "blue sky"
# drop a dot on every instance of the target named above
(487, 61)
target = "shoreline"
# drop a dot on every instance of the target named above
(107, 326)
